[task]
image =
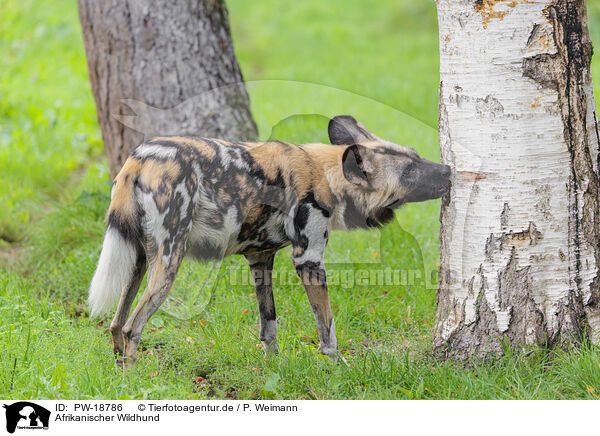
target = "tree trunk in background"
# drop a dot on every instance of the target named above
(172, 62)
(520, 229)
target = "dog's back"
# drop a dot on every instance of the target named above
(237, 197)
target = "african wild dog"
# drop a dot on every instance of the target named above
(208, 198)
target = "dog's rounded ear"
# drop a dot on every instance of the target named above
(356, 165)
(345, 130)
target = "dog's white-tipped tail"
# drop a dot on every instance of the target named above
(114, 272)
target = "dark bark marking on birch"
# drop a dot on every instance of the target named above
(515, 295)
(447, 214)
(575, 49)
(481, 336)
(541, 68)
(504, 216)
(496, 243)
(488, 107)
(533, 34)
(566, 73)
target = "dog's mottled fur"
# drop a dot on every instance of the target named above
(208, 198)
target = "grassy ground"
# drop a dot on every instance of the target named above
(377, 61)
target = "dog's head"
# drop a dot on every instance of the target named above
(396, 173)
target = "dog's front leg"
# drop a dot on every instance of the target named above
(314, 278)
(261, 267)
(309, 242)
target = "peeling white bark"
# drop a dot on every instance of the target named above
(519, 237)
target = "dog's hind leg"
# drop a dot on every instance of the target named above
(261, 267)
(127, 297)
(160, 279)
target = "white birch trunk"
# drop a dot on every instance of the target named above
(520, 227)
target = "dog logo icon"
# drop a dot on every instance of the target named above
(26, 415)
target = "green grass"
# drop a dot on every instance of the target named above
(377, 61)
(48, 128)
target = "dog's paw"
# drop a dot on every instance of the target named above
(270, 347)
(335, 355)
(125, 363)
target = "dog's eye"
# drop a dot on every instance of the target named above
(408, 171)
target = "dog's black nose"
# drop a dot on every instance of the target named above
(446, 170)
